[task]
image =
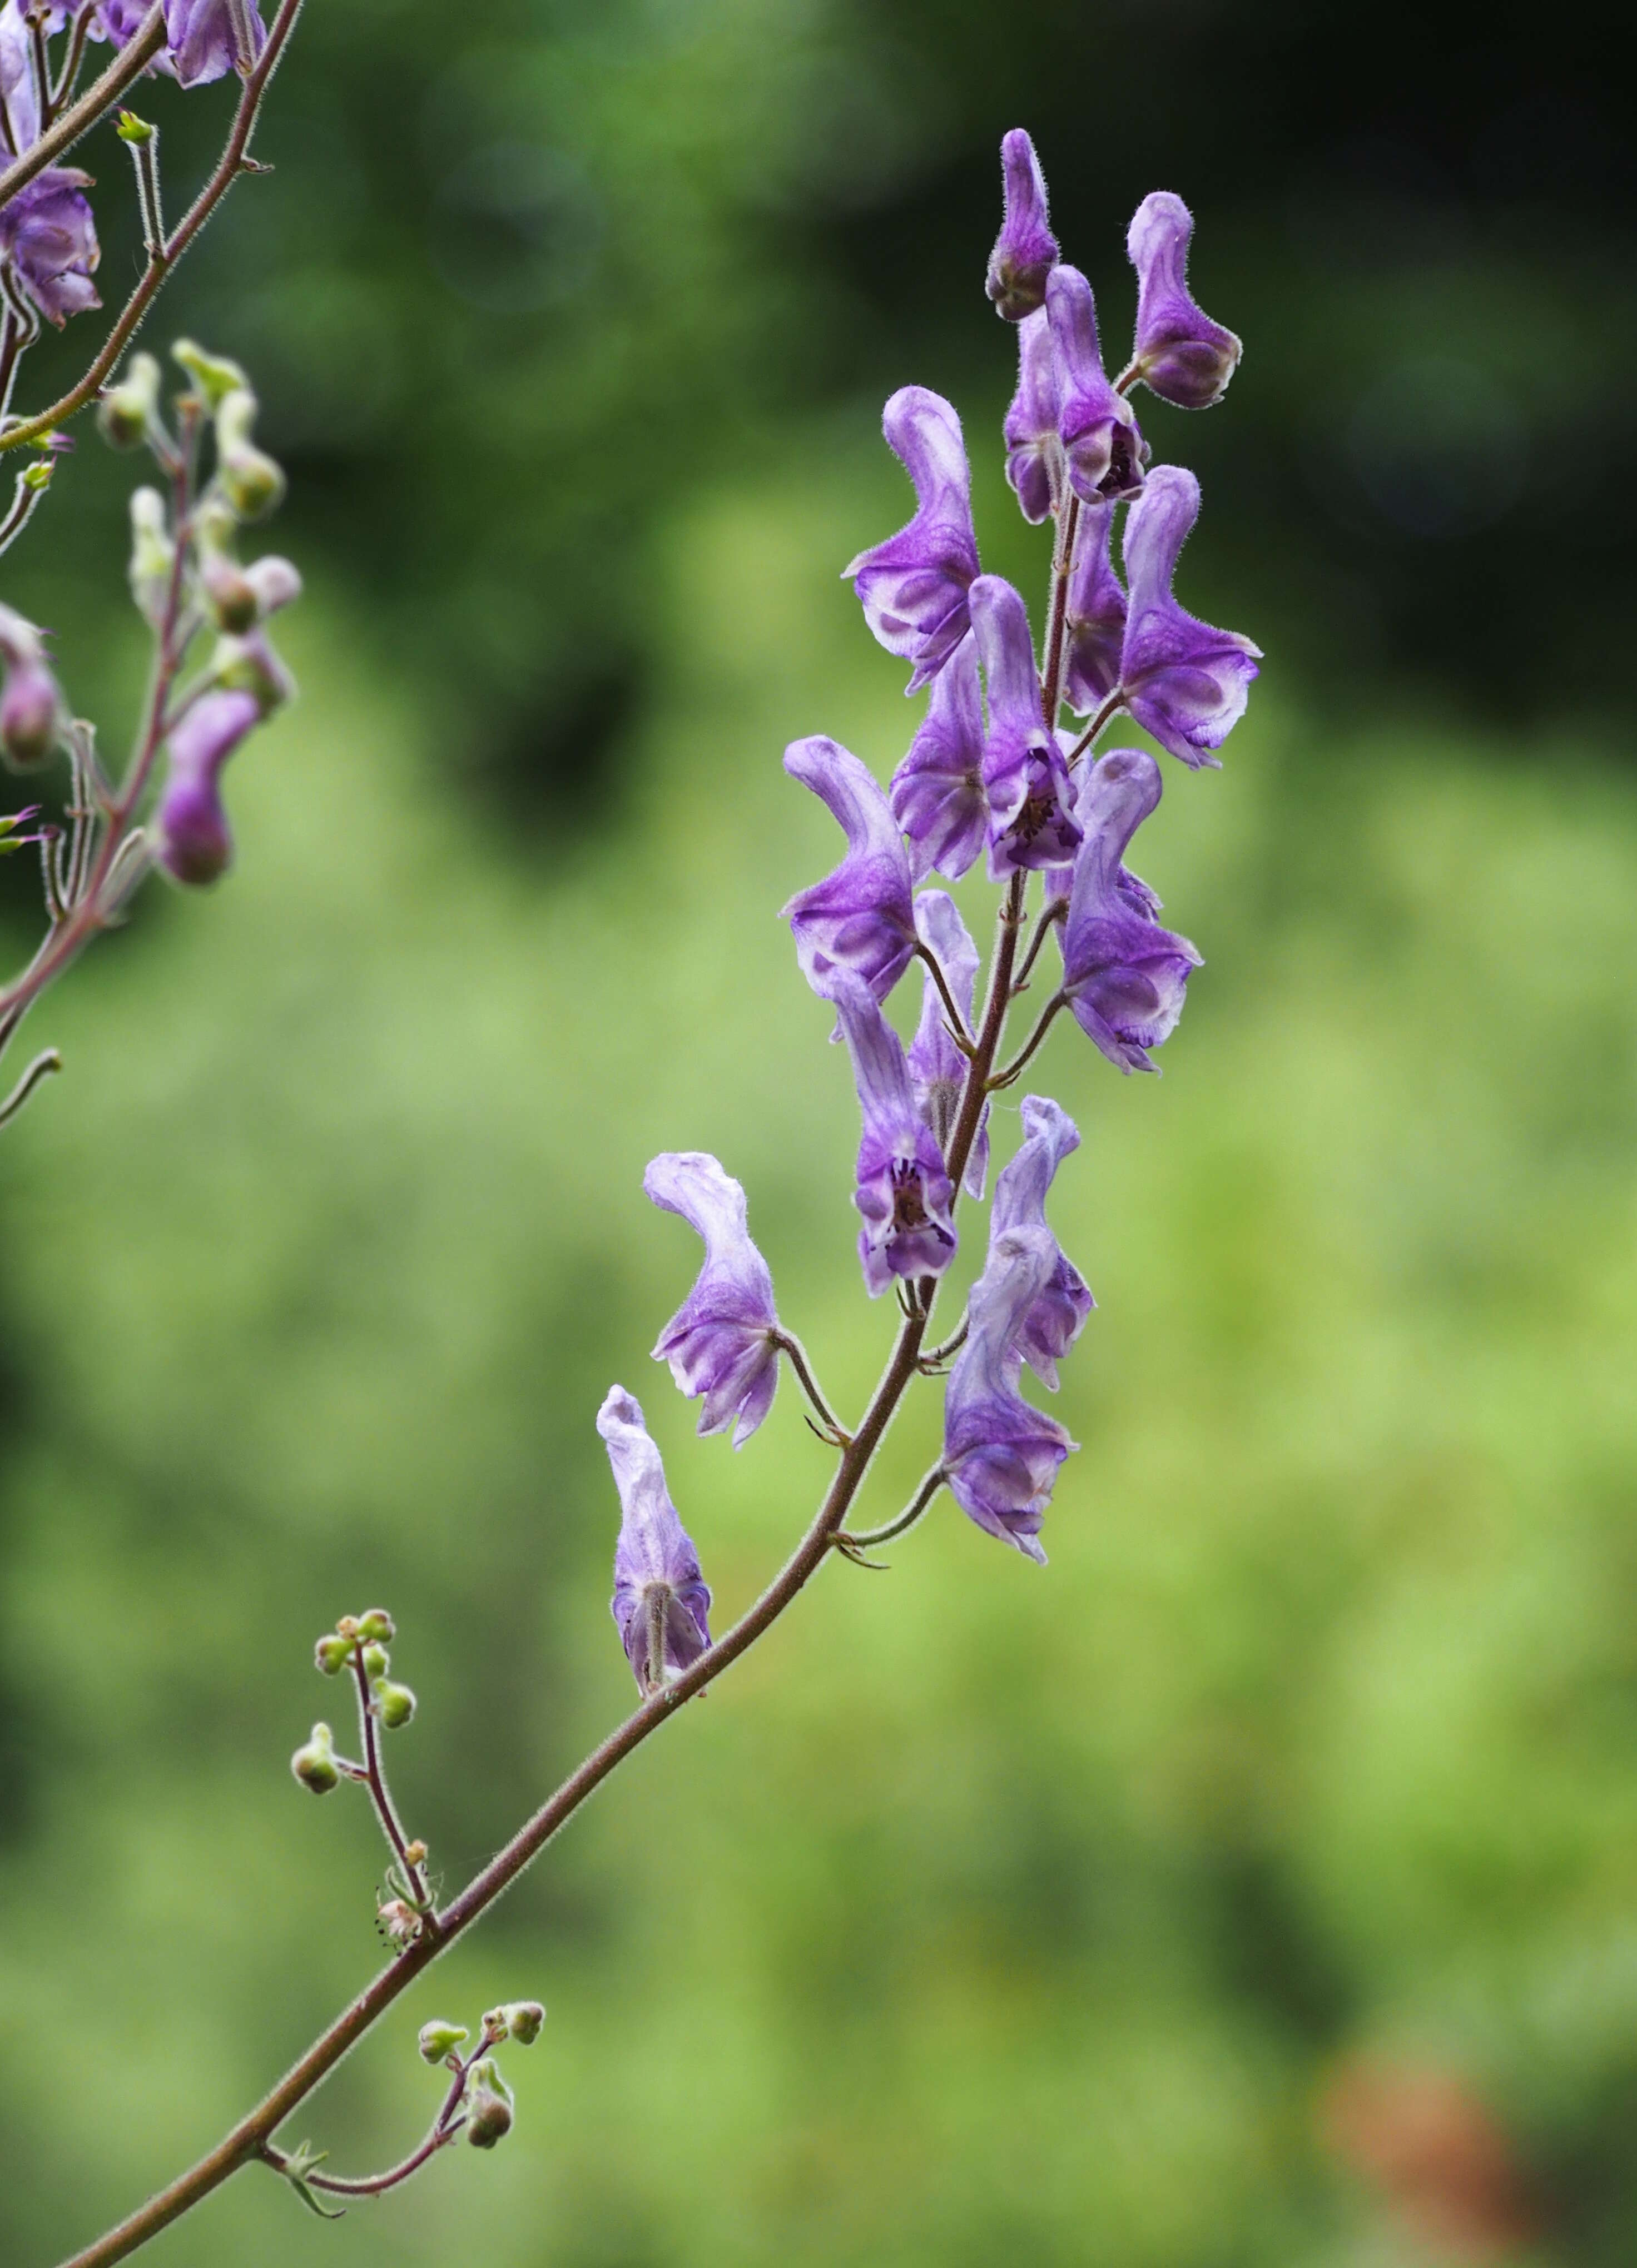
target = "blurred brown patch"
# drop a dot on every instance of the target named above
(1439, 2158)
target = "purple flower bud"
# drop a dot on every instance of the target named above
(47, 234)
(1001, 1455)
(937, 1068)
(903, 1191)
(913, 587)
(1124, 975)
(1034, 449)
(1106, 454)
(1031, 804)
(1058, 1314)
(206, 38)
(1094, 615)
(660, 1602)
(32, 709)
(720, 1342)
(1180, 353)
(1184, 683)
(1025, 250)
(938, 791)
(195, 845)
(862, 916)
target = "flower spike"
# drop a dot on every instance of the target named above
(862, 916)
(1031, 812)
(913, 587)
(1026, 250)
(938, 791)
(722, 1342)
(661, 1601)
(1105, 451)
(1000, 1455)
(1180, 354)
(1184, 683)
(1123, 974)
(1054, 1321)
(903, 1190)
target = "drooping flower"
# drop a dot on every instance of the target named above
(722, 1342)
(913, 587)
(1057, 1316)
(660, 1602)
(195, 842)
(1098, 429)
(862, 916)
(1123, 974)
(48, 235)
(1180, 354)
(1094, 615)
(903, 1190)
(1034, 448)
(1183, 682)
(938, 791)
(1026, 250)
(206, 38)
(33, 711)
(1031, 820)
(938, 1069)
(1001, 1455)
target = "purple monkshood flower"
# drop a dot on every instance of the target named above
(938, 791)
(1058, 1314)
(913, 587)
(862, 916)
(1031, 805)
(206, 38)
(1033, 450)
(118, 20)
(1180, 354)
(48, 235)
(1025, 251)
(1123, 976)
(1094, 615)
(937, 1068)
(660, 1602)
(1184, 683)
(903, 1190)
(722, 1342)
(196, 845)
(1105, 451)
(1000, 1455)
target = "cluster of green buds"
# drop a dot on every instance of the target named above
(484, 2097)
(361, 1640)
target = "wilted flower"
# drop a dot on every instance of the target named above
(661, 1600)
(903, 1190)
(1001, 1455)
(1025, 250)
(722, 1342)
(1180, 354)
(913, 587)
(936, 1065)
(938, 791)
(1031, 818)
(1184, 683)
(1123, 974)
(1105, 451)
(861, 917)
(1056, 1315)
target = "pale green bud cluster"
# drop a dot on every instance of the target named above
(314, 1765)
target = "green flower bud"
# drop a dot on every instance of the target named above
(314, 1765)
(246, 476)
(377, 1662)
(249, 665)
(214, 375)
(488, 2106)
(395, 1704)
(440, 2038)
(332, 1654)
(523, 2020)
(128, 412)
(134, 130)
(375, 1624)
(152, 554)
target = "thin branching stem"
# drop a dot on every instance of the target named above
(1104, 717)
(862, 1541)
(1014, 1070)
(790, 1346)
(443, 2129)
(1050, 914)
(385, 1811)
(41, 1067)
(1062, 562)
(957, 1022)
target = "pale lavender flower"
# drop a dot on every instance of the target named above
(862, 916)
(1034, 449)
(196, 845)
(1094, 615)
(1180, 354)
(1054, 1321)
(1025, 250)
(1105, 451)
(937, 1068)
(903, 1190)
(1031, 820)
(938, 791)
(661, 1601)
(722, 1342)
(33, 711)
(1184, 683)
(1001, 1455)
(48, 235)
(206, 38)
(913, 587)
(1123, 974)
(118, 20)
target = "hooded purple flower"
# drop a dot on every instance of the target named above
(204, 41)
(721, 1342)
(862, 916)
(903, 1190)
(118, 20)
(1033, 450)
(48, 235)
(1123, 976)
(1058, 1314)
(196, 845)
(913, 587)
(1025, 251)
(937, 1068)
(1106, 454)
(1093, 615)
(1184, 683)
(938, 791)
(1001, 1455)
(660, 1602)
(1180, 354)
(1031, 804)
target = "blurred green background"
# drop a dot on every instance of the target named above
(1258, 1883)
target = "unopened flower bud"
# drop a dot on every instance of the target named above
(523, 2020)
(374, 1623)
(332, 1654)
(214, 375)
(488, 2106)
(440, 2038)
(1025, 251)
(152, 554)
(249, 665)
(414, 1851)
(248, 476)
(275, 583)
(126, 413)
(377, 1662)
(31, 711)
(136, 130)
(395, 1704)
(314, 1765)
(229, 594)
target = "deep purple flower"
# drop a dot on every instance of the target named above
(1094, 615)
(1034, 449)
(196, 845)
(1106, 454)
(1054, 1321)
(937, 1068)
(722, 1341)
(33, 711)
(938, 791)
(903, 1191)
(862, 916)
(660, 1602)
(48, 235)
(1025, 251)
(1180, 353)
(1031, 803)
(206, 38)
(1123, 976)
(1001, 1455)
(1184, 683)
(913, 587)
